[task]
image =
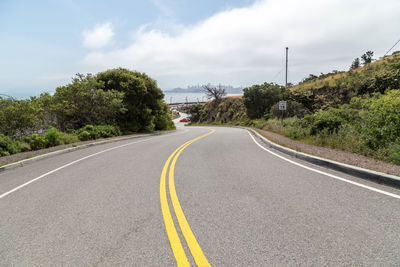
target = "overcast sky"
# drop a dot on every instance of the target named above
(186, 42)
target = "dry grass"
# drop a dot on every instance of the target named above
(319, 83)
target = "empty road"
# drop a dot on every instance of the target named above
(197, 196)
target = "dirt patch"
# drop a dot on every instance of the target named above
(334, 154)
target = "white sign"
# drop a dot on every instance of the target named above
(282, 105)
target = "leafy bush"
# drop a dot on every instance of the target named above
(7, 145)
(259, 123)
(323, 120)
(293, 109)
(91, 132)
(381, 124)
(69, 138)
(4, 152)
(380, 82)
(23, 147)
(84, 136)
(290, 127)
(395, 153)
(36, 141)
(53, 137)
(108, 130)
(259, 99)
(162, 120)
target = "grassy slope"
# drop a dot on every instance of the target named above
(334, 89)
(364, 71)
(229, 110)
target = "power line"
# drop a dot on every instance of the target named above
(392, 47)
(279, 72)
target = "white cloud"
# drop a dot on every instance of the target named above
(100, 36)
(245, 46)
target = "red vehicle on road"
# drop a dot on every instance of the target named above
(185, 120)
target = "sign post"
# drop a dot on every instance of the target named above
(282, 106)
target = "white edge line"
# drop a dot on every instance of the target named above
(71, 163)
(324, 173)
(66, 165)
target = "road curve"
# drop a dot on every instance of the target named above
(243, 206)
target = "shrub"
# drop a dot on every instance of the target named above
(323, 120)
(108, 130)
(84, 136)
(395, 153)
(69, 138)
(3, 153)
(5, 141)
(381, 124)
(293, 109)
(36, 141)
(7, 145)
(162, 120)
(53, 137)
(380, 82)
(290, 127)
(259, 123)
(23, 147)
(90, 132)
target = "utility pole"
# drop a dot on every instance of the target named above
(287, 51)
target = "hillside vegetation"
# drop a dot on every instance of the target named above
(356, 111)
(227, 110)
(335, 88)
(111, 103)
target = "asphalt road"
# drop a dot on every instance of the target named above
(243, 206)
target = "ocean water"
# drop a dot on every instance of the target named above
(186, 97)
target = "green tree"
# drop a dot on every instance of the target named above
(45, 114)
(355, 64)
(146, 109)
(18, 117)
(85, 102)
(195, 112)
(259, 99)
(367, 57)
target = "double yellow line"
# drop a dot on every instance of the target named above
(174, 240)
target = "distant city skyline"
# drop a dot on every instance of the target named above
(200, 87)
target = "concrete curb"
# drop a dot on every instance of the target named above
(67, 150)
(378, 177)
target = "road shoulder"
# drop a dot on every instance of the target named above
(354, 170)
(22, 159)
